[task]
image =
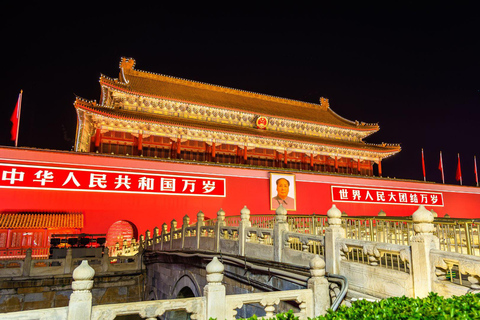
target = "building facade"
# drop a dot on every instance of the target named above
(153, 115)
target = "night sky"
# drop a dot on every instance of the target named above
(414, 69)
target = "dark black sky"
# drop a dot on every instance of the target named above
(412, 68)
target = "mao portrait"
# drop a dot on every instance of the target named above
(282, 191)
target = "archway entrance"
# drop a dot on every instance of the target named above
(185, 292)
(119, 234)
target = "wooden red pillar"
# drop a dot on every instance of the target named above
(358, 165)
(245, 154)
(311, 160)
(98, 137)
(140, 144)
(179, 146)
(285, 157)
(336, 164)
(379, 168)
(213, 151)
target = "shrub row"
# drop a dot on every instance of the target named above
(431, 307)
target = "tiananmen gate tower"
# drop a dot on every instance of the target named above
(156, 148)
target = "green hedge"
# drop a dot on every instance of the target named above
(431, 307)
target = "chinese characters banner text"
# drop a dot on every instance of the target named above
(367, 195)
(58, 178)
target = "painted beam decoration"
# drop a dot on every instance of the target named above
(19, 176)
(388, 196)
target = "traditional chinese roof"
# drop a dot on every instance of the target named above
(40, 220)
(123, 115)
(163, 86)
(148, 103)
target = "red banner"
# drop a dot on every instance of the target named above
(388, 196)
(76, 179)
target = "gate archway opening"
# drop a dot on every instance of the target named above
(119, 234)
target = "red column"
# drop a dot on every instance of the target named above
(336, 164)
(358, 165)
(285, 157)
(245, 154)
(213, 150)
(140, 144)
(97, 139)
(179, 146)
(380, 168)
(311, 160)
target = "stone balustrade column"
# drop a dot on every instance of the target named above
(242, 234)
(69, 261)
(332, 233)
(319, 285)
(421, 243)
(214, 291)
(279, 229)
(164, 235)
(185, 225)
(200, 224)
(105, 259)
(80, 304)
(173, 228)
(141, 243)
(148, 236)
(218, 225)
(156, 237)
(27, 263)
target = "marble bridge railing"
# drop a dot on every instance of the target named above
(267, 241)
(312, 301)
(29, 267)
(380, 256)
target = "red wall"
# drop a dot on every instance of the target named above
(248, 187)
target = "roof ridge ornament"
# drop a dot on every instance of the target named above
(126, 63)
(324, 103)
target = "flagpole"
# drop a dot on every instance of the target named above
(476, 172)
(19, 112)
(441, 166)
(423, 167)
(459, 170)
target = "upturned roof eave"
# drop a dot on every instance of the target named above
(387, 150)
(365, 130)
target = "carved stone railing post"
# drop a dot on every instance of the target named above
(214, 291)
(332, 233)
(80, 305)
(279, 229)
(27, 263)
(422, 242)
(319, 285)
(156, 236)
(242, 234)
(200, 224)
(164, 235)
(148, 236)
(173, 228)
(69, 261)
(105, 260)
(220, 223)
(141, 243)
(185, 225)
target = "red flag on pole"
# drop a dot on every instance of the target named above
(440, 167)
(476, 172)
(423, 166)
(458, 176)
(15, 119)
